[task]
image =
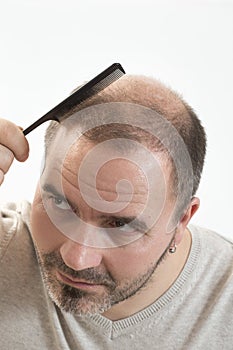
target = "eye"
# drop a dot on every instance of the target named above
(122, 225)
(60, 203)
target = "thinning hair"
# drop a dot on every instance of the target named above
(156, 96)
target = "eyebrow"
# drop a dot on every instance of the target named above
(137, 224)
(51, 189)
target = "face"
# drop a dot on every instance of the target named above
(82, 274)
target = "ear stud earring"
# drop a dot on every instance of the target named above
(172, 248)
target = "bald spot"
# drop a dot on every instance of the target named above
(146, 92)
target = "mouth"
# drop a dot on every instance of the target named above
(74, 282)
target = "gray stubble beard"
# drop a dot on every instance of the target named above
(82, 303)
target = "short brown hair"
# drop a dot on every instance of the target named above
(152, 94)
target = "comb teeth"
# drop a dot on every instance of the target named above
(65, 111)
(107, 81)
(101, 85)
(100, 82)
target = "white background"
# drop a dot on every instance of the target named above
(49, 47)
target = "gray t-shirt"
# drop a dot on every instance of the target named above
(195, 313)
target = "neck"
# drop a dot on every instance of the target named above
(164, 276)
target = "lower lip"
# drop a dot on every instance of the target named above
(79, 285)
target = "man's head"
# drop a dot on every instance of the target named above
(156, 96)
(91, 176)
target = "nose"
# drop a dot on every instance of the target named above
(78, 256)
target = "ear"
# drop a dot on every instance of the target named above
(192, 208)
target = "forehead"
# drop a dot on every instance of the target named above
(111, 161)
(111, 166)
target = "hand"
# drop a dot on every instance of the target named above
(13, 144)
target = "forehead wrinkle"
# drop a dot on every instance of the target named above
(106, 191)
(60, 173)
(98, 189)
(76, 187)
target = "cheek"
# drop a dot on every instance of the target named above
(45, 235)
(137, 258)
(133, 260)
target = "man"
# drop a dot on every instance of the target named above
(104, 258)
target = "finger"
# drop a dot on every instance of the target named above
(6, 158)
(1, 176)
(12, 137)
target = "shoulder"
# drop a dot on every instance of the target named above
(14, 218)
(213, 280)
(215, 262)
(212, 241)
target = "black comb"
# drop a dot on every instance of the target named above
(100, 82)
